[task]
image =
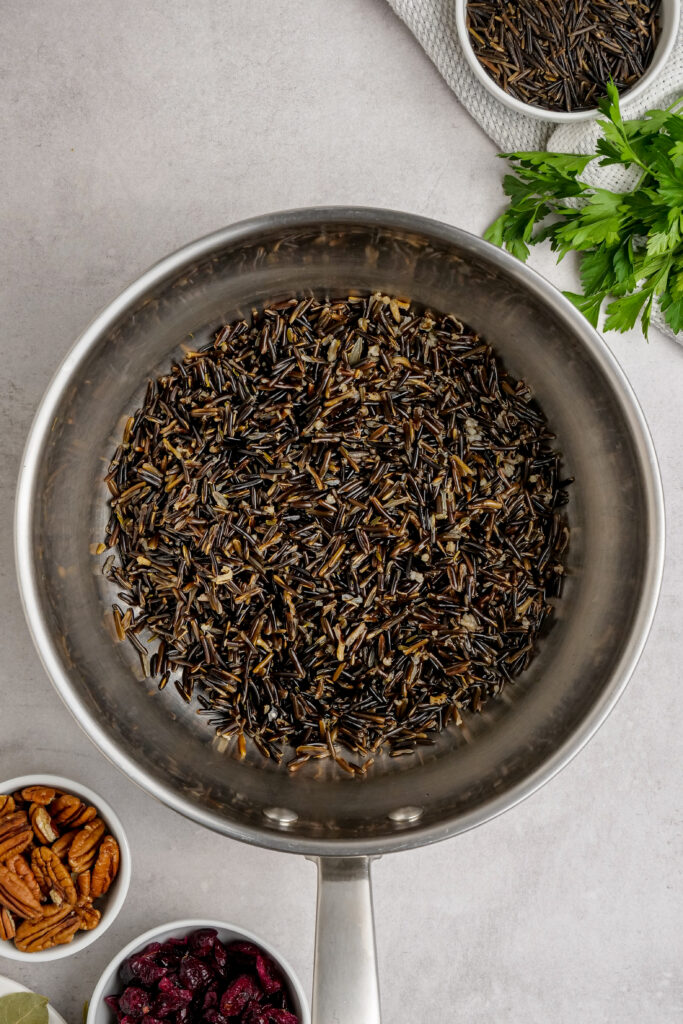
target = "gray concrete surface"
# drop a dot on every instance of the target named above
(131, 126)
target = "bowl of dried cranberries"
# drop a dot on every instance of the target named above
(64, 867)
(198, 972)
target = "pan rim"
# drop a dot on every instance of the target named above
(408, 837)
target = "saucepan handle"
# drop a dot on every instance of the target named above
(345, 983)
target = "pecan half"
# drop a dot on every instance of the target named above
(12, 823)
(64, 806)
(106, 867)
(61, 847)
(16, 896)
(89, 917)
(14, 838)
(53, 877)
(42, 824)
(15, 844)
(70, 811)
(20, 866)
(83, 850)
(57, 927)
(84, 886)
(38, 794)
(85, 815)
(7, 804)
(7, 929)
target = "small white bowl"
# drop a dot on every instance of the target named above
(112, 902)
(110, 983)
(10, 988)
(669, 16)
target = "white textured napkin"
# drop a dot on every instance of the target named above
(432, 22)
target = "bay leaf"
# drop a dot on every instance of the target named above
(23, 1008)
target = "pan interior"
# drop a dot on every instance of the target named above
(583, 659)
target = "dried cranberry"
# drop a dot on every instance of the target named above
(269, 976)
(193, 974)
(171, 998)
(237, 995)
(171, 953)
(169, 958)
(134, 1002)
(170, 989)
(146, 970)
(220, 954)
(168, 984)
(246, 948)
(112, 1002)
(214, 1017)
(151, 947)
(211, 998)
(125, 973)
(256, 1014)
(164, 1006)
(202, 941)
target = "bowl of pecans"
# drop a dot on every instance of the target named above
(64, 867)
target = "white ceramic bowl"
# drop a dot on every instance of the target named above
(668, 30)
(110, 983)
(110, 904)
(9, 987)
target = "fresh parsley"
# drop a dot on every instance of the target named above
(630, 243)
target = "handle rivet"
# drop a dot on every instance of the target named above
(280, 816)
(406, 815)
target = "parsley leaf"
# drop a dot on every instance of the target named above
(630, 243)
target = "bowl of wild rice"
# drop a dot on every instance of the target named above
(552, 59)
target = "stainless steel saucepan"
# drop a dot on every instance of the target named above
(469, 775)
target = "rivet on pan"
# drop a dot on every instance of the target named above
(280, 816)
(406, 815)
